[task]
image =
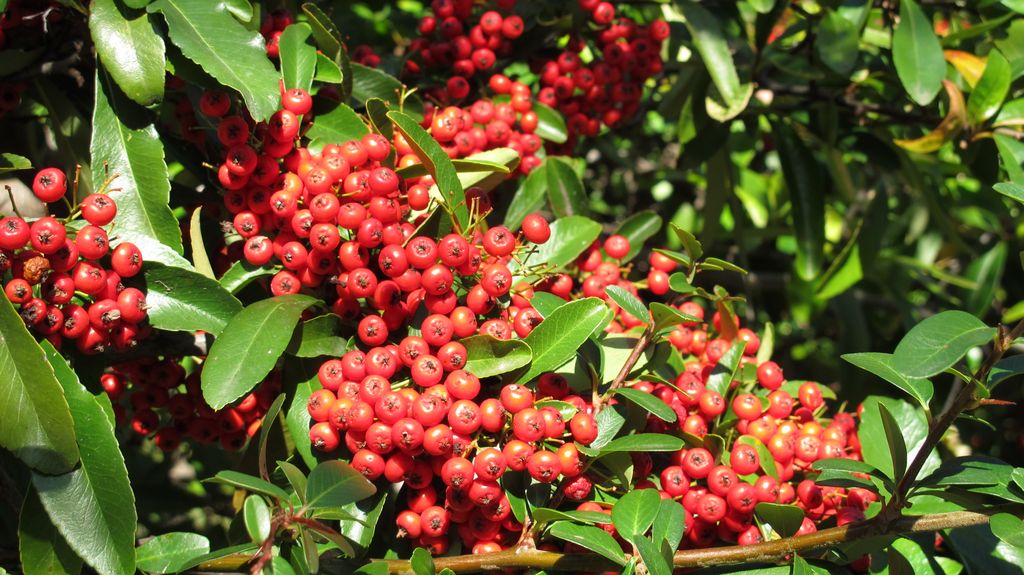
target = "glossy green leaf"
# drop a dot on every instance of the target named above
(917, 54)
(1011, 190)
(528, 198)
(373, 83)
(654, 561)
(767, 460)
(669, 523)
(628, 302)
(653, 442)
(1008, 528)
(988, 94)
(335, 124)
(241, 274)
(939, 342)
(802, 175)
(297, 419)
(986, 271)
(421, 562)
(365, 518)
(170, 552)
(565, 189)
(570, 237)
(725, 370)
(1011, 153)
(543, 515)
(667, 316)
(850, 465)
(1004, 369)
(249, 347)
(200, 259)
(487, 356)
(783, 519)
(546, 303)
(711, 43)
(257, 518)
(881, 364)
(210, 36)
(438, 164)
(557, 338)
(983, 553)
(638, 228)
(837, 43)
(35, 423)
(764, 353)
(550, 124)
(182, 300)
(319, 336)
(93, 505)
(592, 538)
(41, 548)
(894, 437)
(241, 548)
(249, 483)
(13, 162)
(492, 167)
(130, 49)
(327, 71)
(652, 404)
(334, 483)
(125, 143)
(634, 513)
(296, 478)
(970, 470)
(298, 56)
(913, 428)
(328, 37)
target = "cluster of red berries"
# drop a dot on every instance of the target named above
(271, 27)
(160, 400)
(70, 288)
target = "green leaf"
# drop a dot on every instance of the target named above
(249, 483)
(550, 124)
(1011, 190)
(638, 228)
(983, 553)
(783, 519)
(881, 364)
(182, 300)
(1008, 528)
(225, 49)
(35, 423)
(628, 302)
(543, 515)
(894, 437)
(913, 428)
(438, 164)
(13, 162)
(125, 141)
(565, 189)
(528, 198)
(327, 71)
(169, 552)
(319, 336)
(557, 338)
(41, 548)
(257, 518)
(837, 43)
(988, 94)
(764, 353)
(335, 483)
(725, 370)
(241, 274)
(298, 57)
(365, 517)
(373, 83)
(130, 49)
(592, 538)
(546, 303)
(987, 272)
(335, 124)
(1011, 152)
(667, 316)
(652, 442)
(421, 562)
(296, 478)
(200, 259)
(803, 181)
(249, 347)
(326, 34)
(652, 404)
(714, 50)
(654, 561)
(634, 514)
(570, 237)
(939, 342)
(669, 523)
(297, 416)
(93, 506)
(971, 470)
(487, 356)
(241, 548)
(917, 54)
(850, 465)
(1004, 369)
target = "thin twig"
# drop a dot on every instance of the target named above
(634, 356)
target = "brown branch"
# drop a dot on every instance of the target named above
(634, 356)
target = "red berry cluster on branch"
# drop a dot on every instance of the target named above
(69, 288)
